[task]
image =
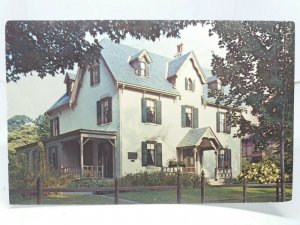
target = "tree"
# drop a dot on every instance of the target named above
(17, 121)
(51, 47)
(43, 126)
(259, 70)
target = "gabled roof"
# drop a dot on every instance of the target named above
(116, 57)
(140, 55)
(176, 64)
(64, 100)
(194, 137)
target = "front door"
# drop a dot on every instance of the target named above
(105, 159)
(189, 160)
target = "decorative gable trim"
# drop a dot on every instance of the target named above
(77, 85)
(142, 54)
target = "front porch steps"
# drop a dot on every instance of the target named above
(215, 182)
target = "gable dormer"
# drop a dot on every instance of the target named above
(214, 84)
(140, 63)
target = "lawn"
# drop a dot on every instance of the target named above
(212, 195)
(189, 195)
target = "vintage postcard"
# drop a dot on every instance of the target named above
(150, 112)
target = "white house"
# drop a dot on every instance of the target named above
(136, 110)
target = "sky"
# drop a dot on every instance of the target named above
(32, 96)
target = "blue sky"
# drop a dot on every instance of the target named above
(32, 96)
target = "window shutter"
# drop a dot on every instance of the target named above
(158, 154)
(186, 83)
(144, 153)
(144, 112)
(98, 112)
(195, 117)
(58, 132)
(109, 109)
(51, 128)
(158, 112)
(218, 121)
(229, 158)
(194, 85)
(91, 76)
(98, 73)
(183, 119)
(228, 127)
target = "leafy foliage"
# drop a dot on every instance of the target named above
(262, 172)
(17, 121)
(51, 47)
(43, 126)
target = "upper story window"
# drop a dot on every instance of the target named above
(54, 126)
(143, 69)
(151, 154)
(189, 116)
(151, 111)
(190, 84)
(223, 125)
(95, 74)
(104, 111)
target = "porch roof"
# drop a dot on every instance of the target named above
(85, 133)
(194, 137)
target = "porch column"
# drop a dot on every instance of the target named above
(216, 169)
(195, 157)
(81, 157)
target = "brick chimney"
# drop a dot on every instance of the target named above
(179, 50)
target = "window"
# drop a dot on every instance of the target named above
(52, 157)
(142, 69)
(95, 74)
(54, 126)
(224, 158)
(189, 116)
(151, 154)
(151, 111)
(189, 84)
(104, 111)
(223, 125)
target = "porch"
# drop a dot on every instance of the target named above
(83, 154)
(200, 150)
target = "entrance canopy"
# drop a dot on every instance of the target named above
(205, 138)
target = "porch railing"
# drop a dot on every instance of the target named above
(93, 171)
(224, 172)
(88, 171)
(173, 170)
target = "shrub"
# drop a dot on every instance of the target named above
(91, 183)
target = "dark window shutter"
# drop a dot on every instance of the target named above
(98, 112)
(186, 83)
(158, 154)
(228, 126)
(51, 128)
(183, 119)
(229, 158)
(158, 112)
(98, 74)
(109, 109)
(144, 112)
(58, 132)
(218, 121)
(194, 85)
(144, 153)
(195, 117)
(91, 77)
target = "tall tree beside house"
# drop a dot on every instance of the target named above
(259, 68)
(51, 47)
(43, 126)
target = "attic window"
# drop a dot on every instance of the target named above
(95, 74)
(142, 69)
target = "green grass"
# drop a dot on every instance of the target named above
(63, 199)
(189, 196)
(212, 195)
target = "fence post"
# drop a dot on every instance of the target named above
(39, 191)
(244, 190)
(202, 186)
(179, 186)
(117, 191)
(277, 190)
